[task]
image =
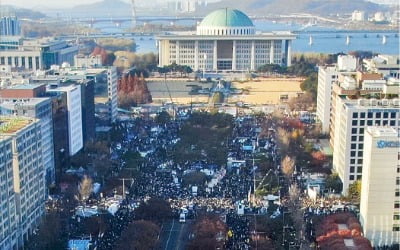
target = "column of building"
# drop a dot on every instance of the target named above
(196, 55)
(234, 56)
(215, 56)
(271, 52)
(252, 56)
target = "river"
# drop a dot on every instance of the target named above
(324, 40)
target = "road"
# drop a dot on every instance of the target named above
(174, 235)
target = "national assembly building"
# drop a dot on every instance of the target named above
(226, 40)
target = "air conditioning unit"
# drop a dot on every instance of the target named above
(361, 102)
(396, 102)
(373, 102)
(385, 102)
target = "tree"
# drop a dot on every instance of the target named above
(287, 166)
(163, 117)
(140, 235)
(208, 232)
(48, 236)
(195, 179)
(333, 183)
(155, 210)
(85, 188)
(310, 85)
(354, 192)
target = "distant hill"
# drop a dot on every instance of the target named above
(20, 12)
(102, 8)
(321, 7)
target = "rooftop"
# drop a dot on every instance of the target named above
(25, 86)
(10, 124)
(227, 18)
(382, 131)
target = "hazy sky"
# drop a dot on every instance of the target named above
(48, 3)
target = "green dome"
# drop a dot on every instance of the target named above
(226, 18)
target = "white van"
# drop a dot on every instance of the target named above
(182, 217)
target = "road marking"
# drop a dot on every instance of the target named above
(169, 236)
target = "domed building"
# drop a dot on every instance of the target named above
(225, 40)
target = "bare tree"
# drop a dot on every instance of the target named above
(85, 188)
(287, 165)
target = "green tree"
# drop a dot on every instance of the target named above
(354, 192)
(311, 85)
(163, 117)
(333, 183)
(155, 210)
(195, 178)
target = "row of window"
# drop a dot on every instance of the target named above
(377, 115)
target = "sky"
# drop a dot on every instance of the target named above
(47, 3)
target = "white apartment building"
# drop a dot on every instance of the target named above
(39, 108)
(28, 179)
(75, 132)
(8, 223)
(327, 76)
(352, 118)
(358, 16)
(380, 189)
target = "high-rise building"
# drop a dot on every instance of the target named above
(39, 108)
(88, 118)
(327, 76)
(112, 81)
(10, 26)
(74, 109)
(380, 189)
(352, 118)
(8, 223)
(28, 180)
(227, 40)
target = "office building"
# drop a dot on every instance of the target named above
(74, 110)
(327, 76)
(10, 26)
(87, 102)
(8, 223)
(387, 65)
(21, 141)
(358, 16)
(39, 54)
(352, 118)
(112, 92)
(226, 40)
(39, 108)
(380, 189)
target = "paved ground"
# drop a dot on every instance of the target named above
(174, 235)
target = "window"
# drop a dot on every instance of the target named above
(352, 161)
(362, 123)
(361, 130)
(353, 146)
(354, 122)
(361, 146)
(370, 114)
(352, 169)
(359, 161)
(378, 115)
(378, 123)
(353, 153)
(362, 114)
(369, 123)
(392, 123)
(359, 177)
(352, 177)
(392, 115)
(396, 217)
(361, 138)
(354, 131)
(359, 169)
(397, 193)
(385, 115)
(354, 138)
(396, 228)
(355, 115)
(360, 153)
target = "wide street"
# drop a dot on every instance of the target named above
(174, 235)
